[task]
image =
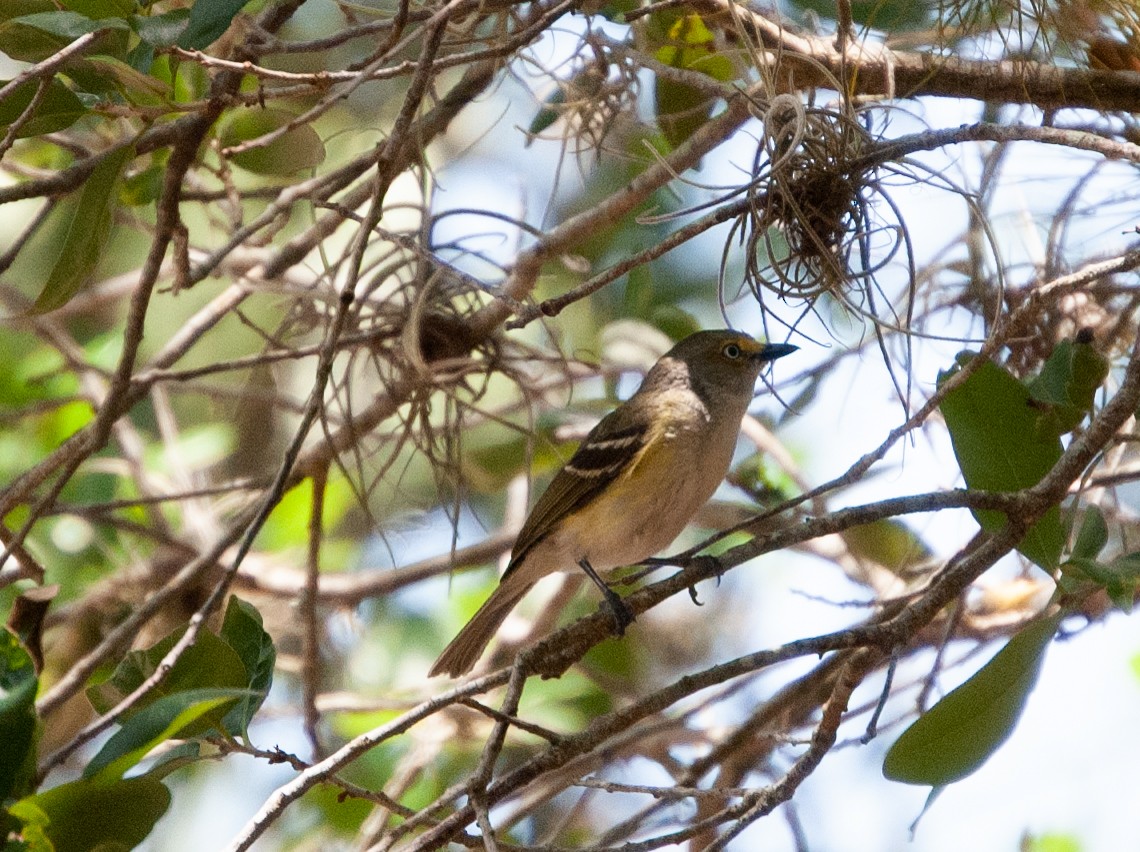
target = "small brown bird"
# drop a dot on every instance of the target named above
(635, 482)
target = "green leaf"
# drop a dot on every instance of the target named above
(58, 109)
(18, 685)
(208, 20)
(99, 9)
(549, 113)
(1119, 578)
(143, 187)
(88, 231)
(68, 25)
(178, 716)
(298, 148)
(1067, 385)
(888, 542)
(960, 732)
(242, 630)
(887, 15)
(689, 45)
(135, 86)
(1051, 843)
(210, 663)
(161, 30)
(24, 42)
(1093, 535)
(993, 430)
(84, 815)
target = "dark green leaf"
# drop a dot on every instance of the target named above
(21, 41)
(18, 684)
(550, 112)
(85, 815)
(209, 663)
(68, 25)
(88, 230)
(1093, 535)
(242, 631)
(992, 427)
(615, 10)
(162, 30)
(208, 20)
(143, 187)
(135, 86)
(888, 15)
(99, 9)
(298, 148)
(175, 758)
(57, 109)
(1120, 578)
(178, 716)
(1067, 385)
(960, 732)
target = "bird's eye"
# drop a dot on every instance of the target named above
(732, 351)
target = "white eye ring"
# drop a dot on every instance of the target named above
(731, 351)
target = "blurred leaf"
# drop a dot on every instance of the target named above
(674, 321)
(888, 542)
(1067, 385)
(208, 20)
(887, 15)
(25, 42)
(177, 716)
(992, 427)
(99, 9)
(548, 113)
(298, 148)
(242, 630)
(1120, 577)
(493, 456)
(615, 10)
(88, 230)
(764, 483)
(173, 759)
(959, 733)
(26, 620)
(1093, 535)
(135, 86)
(143, 187)
(210, 663)
(68, 25)
(161, 30)
(85, 815)
(681, 108)
(59, 108)
(1050, 843)
(18, 685)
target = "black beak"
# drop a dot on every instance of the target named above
(772, 351)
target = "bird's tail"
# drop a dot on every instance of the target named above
(460, 656)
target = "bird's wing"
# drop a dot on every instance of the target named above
(611, 448)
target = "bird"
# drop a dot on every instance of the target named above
(634, 483)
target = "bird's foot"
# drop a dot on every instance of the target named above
(620, 612)
(707, 564)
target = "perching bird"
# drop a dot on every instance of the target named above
(636, 480)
